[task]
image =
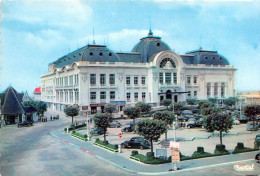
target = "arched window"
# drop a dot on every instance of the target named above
(167, 63)
(216, 90)
(222, 90)
(208, 90)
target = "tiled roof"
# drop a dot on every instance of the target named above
(37, 90)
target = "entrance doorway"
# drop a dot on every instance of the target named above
(93, 110)
(175, 98)
(169, 94)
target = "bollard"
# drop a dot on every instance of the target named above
(68, 130)
(119, 149)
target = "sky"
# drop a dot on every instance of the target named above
(34, 33)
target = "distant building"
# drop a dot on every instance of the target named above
(249, 97)
(93, 76)
(37, 94)
(14, 109)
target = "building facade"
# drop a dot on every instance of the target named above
(93, 76)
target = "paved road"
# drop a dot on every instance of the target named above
(32, 151)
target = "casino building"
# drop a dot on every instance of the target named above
(93, 76)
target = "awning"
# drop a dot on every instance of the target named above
(172, 92)
(118, 102)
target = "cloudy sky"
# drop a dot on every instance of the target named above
(35, 33)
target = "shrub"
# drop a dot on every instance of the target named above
(201, 155)
(221, 150)
(240, 145)
(200, 149)
(145, 160)
(150, 155)
(240, 148)
(97, 140)
(134, 152)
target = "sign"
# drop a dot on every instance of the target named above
(161, 153)
(120, 135)
(165, 144)
(174, 145)
(175, 156)
(84, 108)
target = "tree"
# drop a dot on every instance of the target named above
(209, 110)
(71, 111)
(166, 102)
(213, 100)
(221, 122)
(178, 107)
(143, 107)
(251, 111)
(166, 116)
(151, 130)
(192, 101)
(231, 101)
(132, 113)
(102, 121)
(110, 108)
(40, 106)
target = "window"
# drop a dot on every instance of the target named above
(143, 80)
(167, 62)
(143, 96)
(93, 79)
(61, 81)
(188, 79)
(93, 95)
(76, 96)
(168, 78)
(175, 78)
(189, 93)
(208, 90)
(76, 79)
(61, 96)
(112, 79)
(66, 81)
(195, 93)
(66, 96)
(222, 90)
(112, 94)
(216, 90)
(102, 95)
(195, 80)
(71, 96)
(161, 78)
(102, 79)
(135, 80)
(128, 80)
(136, 96)
(128, 96)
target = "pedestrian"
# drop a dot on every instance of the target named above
(51, 118)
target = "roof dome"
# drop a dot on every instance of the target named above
(100, 53)
(150, 45)
(202, 56)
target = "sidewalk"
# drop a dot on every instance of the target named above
(129, 165)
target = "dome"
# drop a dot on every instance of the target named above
(149, 46)
(205, 57)
(99, 53)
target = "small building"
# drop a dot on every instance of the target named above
(37, 93)
(14, 109)
(249, 97)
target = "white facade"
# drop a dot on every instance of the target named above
(92, 83)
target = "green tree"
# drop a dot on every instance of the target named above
(40, 106)
(191, 101)
(221, 122)
(71, 111)
(251, 111)
(231, 101)
(166, 116)
(102, 121)
(178, 107)
(166, 102)
(213, 100)
(143, 107)
(110, 108)
(209, 110)
(132, 113)
(151, 130)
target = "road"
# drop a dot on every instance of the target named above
(30, 151)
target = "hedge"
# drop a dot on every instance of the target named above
(73, 127)
(83, 137)
(150, 159)
(240, 148)
(106, 144)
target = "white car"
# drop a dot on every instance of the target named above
(236, 122)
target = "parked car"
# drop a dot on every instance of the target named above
(115, 125)
(97, 131)
(257, 141)
(236, 122)
(183, 119)
(25, 123)
(136, 142)
(193, 123)
(243, 119)
(129, 127)
(251, 126)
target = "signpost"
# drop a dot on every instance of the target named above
(120, 135)
(174, 146)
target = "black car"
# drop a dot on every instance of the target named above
(25, 123)
(96, 131)
(136, 142)
(194, 124)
